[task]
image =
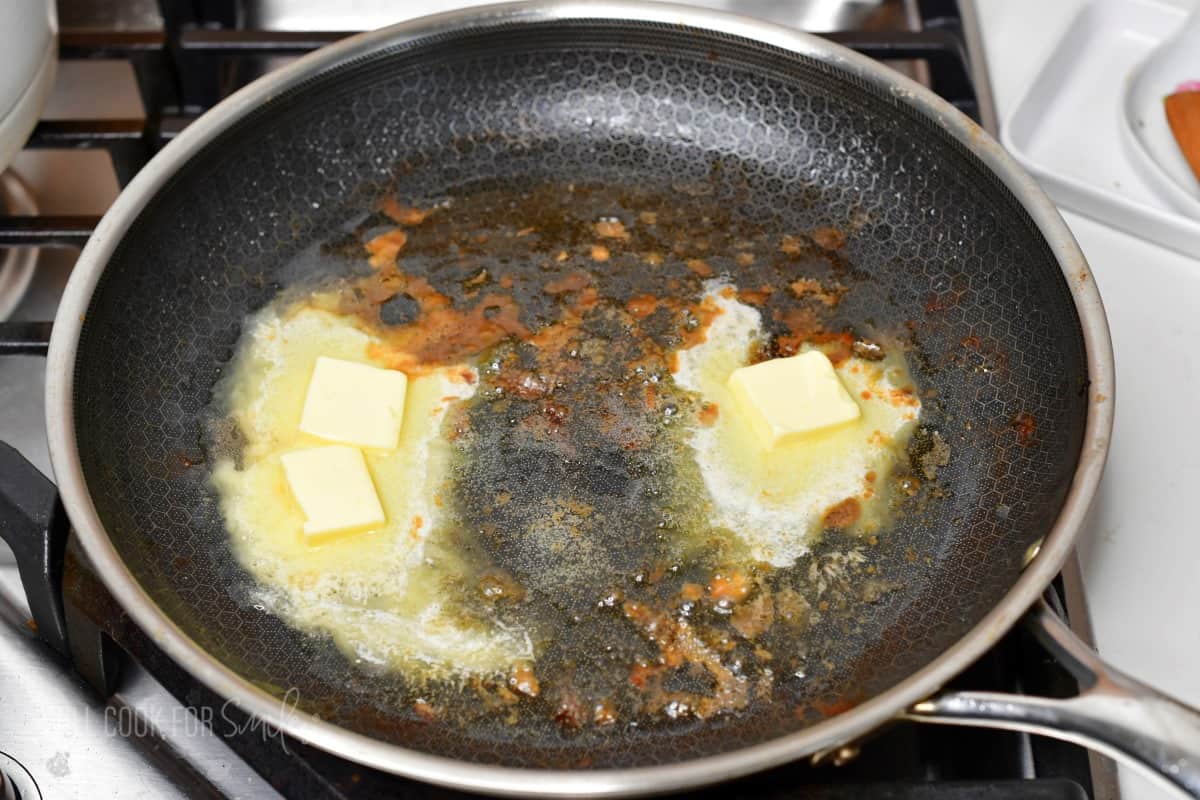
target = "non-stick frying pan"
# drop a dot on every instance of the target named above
(952, 240)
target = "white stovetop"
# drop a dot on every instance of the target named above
(1141, 554)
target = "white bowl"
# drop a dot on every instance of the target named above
(29, 44)
(1148, 137)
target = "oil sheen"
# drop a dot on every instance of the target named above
(383, 595)
(775, 501)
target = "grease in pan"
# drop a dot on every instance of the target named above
(573, 481)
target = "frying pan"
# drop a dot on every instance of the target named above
(953, 239)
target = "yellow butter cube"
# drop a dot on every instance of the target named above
(334, 489)
(786, 398)
(354, 403)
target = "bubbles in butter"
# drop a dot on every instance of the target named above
(775, 501)
(384, 596)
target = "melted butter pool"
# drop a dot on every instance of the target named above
(775, 502)
(385, 596)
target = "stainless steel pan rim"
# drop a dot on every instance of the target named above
(508, 780)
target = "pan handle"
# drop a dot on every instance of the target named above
(34, 524)
(1114, 714)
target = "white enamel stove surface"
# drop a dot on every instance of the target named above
(1140, 556)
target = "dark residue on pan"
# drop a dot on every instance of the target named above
(573, 299)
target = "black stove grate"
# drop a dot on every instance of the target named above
(201, 56)
(197, 59)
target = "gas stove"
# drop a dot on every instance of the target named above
(118, 718)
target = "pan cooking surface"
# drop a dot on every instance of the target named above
(766, 143)
(562, 532)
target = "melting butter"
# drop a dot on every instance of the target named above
(386, 596)
(775, 501)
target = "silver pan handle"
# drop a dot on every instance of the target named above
(1113, 714)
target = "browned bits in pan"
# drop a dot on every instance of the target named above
(642, 673)
(756, 297)
(564, 344)
(802, 324)
(932, 453)
(478, 279)
(642, 306)
(792, 609)
(650, 397)
(611, 229)
(523, 681)
(570, 283)
(842, 345)
(442, 334)
(833, 707)
(680, 644)
(904, 396)
(498, 587)
(524, 384)
(604, 713)
(571, 711)
(697, 320)
(868, 350)
(426, 711)
(402, 214)
(555, 413)
(755, 617)
(732, 587)
(1026, 427)
(809, 288)
(843, 515)
(829, 238)
(385, 247)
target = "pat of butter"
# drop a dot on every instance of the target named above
(334, 489)
(354, 403)
(786, 398)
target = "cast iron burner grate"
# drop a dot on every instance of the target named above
(199, 57)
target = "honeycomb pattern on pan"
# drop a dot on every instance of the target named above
(804, 146)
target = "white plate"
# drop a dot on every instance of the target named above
(1146, 128)
(29, 44)
(1068, 128)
